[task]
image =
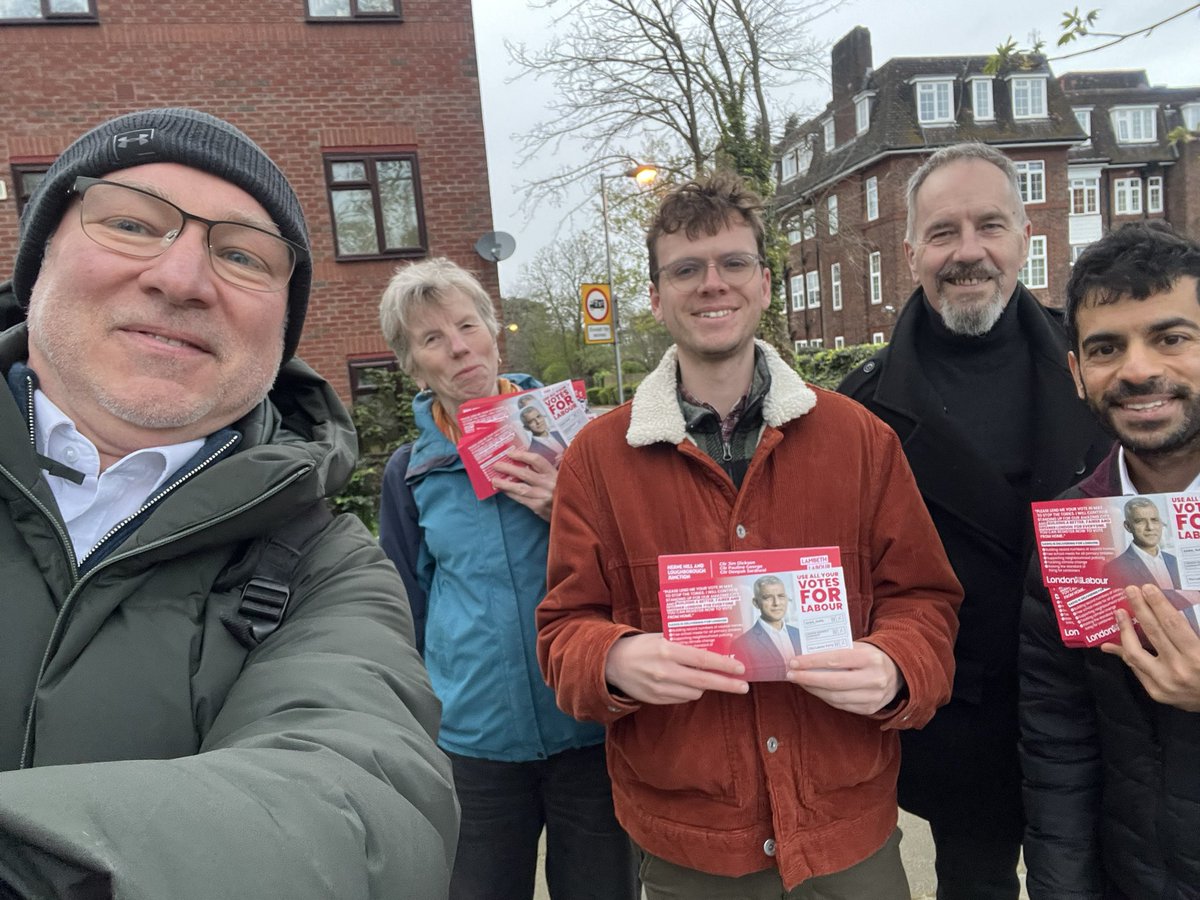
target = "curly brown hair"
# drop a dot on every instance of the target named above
(703, 207)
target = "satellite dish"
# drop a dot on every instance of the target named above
(495, 246)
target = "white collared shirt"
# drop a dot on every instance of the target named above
(1157, 567)
(104, 499)
(783, 643)
(1129, 490)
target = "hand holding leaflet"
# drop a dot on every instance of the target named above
(1170, 669)
(862, 679)
(1092, 549)
(651, 669)
(529, 479)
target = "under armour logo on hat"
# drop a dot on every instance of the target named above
(133, 144)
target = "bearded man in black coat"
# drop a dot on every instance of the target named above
(976, 385)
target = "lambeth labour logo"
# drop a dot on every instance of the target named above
(133, 144)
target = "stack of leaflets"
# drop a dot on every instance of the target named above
(542, 420)
(756, 604)
(1091, 549)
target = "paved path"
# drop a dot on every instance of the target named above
(916, 848)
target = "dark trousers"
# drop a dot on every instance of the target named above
(504, 808)
(961, 773)
(878, 877)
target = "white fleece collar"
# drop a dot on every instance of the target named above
(655, 415)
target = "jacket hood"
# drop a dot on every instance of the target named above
(655, 415)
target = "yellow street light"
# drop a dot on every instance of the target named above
(644, 174)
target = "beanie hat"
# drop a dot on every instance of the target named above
(184, 136)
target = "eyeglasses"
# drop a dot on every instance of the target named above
(735, 269)
(133, 222)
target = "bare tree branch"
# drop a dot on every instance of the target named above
(693, 76)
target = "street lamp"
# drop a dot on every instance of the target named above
(644, 175)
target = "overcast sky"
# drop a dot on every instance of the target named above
(898, 28)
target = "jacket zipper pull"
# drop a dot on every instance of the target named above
(728, 451)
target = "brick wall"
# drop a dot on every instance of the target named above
(298, 88)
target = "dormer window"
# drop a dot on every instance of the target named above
(1135, 124)
(862, 112)
(1191, 116)
(804, 155)
(935, 100)
(830, 134)
(1028, 96)
(981, 100)
(787, 166)
(1083, 115)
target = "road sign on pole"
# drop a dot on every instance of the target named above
(596, 300)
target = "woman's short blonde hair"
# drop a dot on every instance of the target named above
(421, 285)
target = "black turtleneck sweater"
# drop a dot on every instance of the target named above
(985, 384)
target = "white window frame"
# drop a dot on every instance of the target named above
(830, 134)
(812, 287)
(862, 112)
(1191, 116)
(1028, 96)
(877, 337)
(794, 236)
(808, 226)
(876, 276)
(835, 285)
(831, 214)
(787, 166)
(839, 342)
(1035, 272)
(1134, 124)
(804, 155)
(797, 346)
(935, 100)
(797, 287)
(1031, 176)
(1083, 115)
(816, 343)
(1154, 194)
(983, 107)
(1089, 189)
(1127, 196)
(872, 193)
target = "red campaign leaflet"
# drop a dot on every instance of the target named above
(542, 420)
(1091, 549)
(708, 600)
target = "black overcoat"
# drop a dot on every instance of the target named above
(971, 745)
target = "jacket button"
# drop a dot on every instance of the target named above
(1082, 468)
(772, 745)
(741, 531)
(869, 366)
(769, 846)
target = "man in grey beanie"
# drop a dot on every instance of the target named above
(210, 686)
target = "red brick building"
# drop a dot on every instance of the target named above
(843, 174)
(371, 108)
(1132, 164)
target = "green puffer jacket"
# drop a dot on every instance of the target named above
(152, 757)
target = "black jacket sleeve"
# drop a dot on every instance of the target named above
(400, 535)
(1060, 758)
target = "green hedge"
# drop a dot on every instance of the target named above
(827, 368)
(384, 421)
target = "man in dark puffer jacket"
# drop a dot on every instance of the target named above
(1111, 736)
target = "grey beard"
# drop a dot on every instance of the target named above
(972, 319)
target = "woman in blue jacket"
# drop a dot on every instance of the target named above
(480, 567)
